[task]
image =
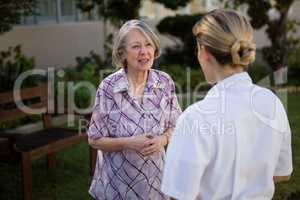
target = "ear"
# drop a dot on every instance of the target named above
(205, 54)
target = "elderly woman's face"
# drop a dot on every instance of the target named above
(139, 51)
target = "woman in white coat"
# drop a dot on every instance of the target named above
(236, 142)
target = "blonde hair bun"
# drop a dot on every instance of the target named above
(243, 52)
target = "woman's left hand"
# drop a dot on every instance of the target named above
(157, 143)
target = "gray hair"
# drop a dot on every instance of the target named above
(118, 59)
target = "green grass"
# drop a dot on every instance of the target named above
(292, 188)
(70, 179)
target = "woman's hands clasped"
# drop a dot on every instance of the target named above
(156, 145)
(147, 144)
(138, 142)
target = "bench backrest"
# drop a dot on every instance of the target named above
(28, 101)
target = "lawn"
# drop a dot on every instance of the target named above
(293, 186)
(70, 179)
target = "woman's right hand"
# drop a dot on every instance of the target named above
(138, 142)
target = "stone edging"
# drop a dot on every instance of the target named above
(289, 89)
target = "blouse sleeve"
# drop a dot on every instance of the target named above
(174, 110)
(284, 165)
(98, 123)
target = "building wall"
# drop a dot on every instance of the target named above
(56, 45)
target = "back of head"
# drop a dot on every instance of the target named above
(228, 36)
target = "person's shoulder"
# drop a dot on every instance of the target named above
(161, 75)
(264, 96)
(109, 81)
(264, 100)
(262, 92)
(115, 76)
(268, 107)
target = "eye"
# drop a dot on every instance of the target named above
(136, 46)
(149, 44)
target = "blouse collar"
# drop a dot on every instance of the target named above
(122, 84)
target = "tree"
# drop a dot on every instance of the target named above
(119, 11)
(173, 4)
(11, 12)
(116, 11)
(279, 28)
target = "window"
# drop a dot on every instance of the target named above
(58, 11)
(28, 20)
(68, 10)
(46, 11)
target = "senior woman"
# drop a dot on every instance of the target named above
(134, 114)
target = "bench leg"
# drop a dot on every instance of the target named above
(26, 176)
(51, 160)
(93, 158)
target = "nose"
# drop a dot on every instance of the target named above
(143, 50)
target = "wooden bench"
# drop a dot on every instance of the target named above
(25, 148)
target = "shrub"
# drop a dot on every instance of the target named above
(13, 63)
(186, 79)
(180, 26)
(88, 69)
(258, 72)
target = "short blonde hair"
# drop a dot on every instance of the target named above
(118, 59)
(228, 36)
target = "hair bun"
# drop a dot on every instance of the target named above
(243, 52)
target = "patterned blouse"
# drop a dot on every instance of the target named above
(128, 174)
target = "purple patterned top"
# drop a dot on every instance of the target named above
(128, 174)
